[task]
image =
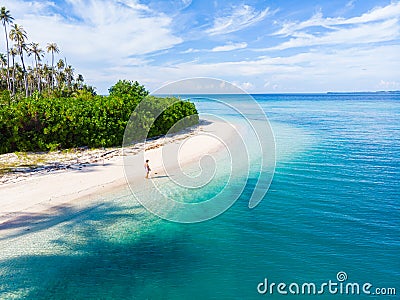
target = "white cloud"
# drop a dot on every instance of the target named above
(135, 5)
(350, 4)
(229, 47)
(388, 85)
(367, 33)
(248, 86)
(377, 14)
(25, 7)
(97, 34)
(270, 86)
(186, 3)
(326, 70)
(391, 11)
(381, 24)
(109, 40)
(245, 86)
(352, 69)
(239, 18)
(190, 50)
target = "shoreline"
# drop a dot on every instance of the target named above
(17, 167)
(39, 195)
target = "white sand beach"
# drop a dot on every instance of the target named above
(76, 187)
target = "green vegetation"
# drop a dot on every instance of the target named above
(46, 108)
(42, 123)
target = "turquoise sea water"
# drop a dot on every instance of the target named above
(333, 206)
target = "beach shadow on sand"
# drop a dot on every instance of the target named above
(112, 244)
(25, 223)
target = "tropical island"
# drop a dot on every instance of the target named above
(46, 107)
(55, 130)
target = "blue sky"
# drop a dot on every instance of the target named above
(260, 46)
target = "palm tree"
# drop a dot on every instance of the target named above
(60, 65)
(18, 35)
(47, 76)
(6, 18)
(31, 79)
(69, 73)
(3, 64)
(79, 81)
(13, 52)
(60, 74)
(52, 47)
(19, 77)
(3, 60)
(38, 54)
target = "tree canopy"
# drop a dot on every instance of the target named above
(42, 122)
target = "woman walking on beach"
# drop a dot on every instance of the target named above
(147, 168)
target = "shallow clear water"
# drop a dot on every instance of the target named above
(333, 206)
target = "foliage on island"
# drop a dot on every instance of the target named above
(42, 123)
(45, 107)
